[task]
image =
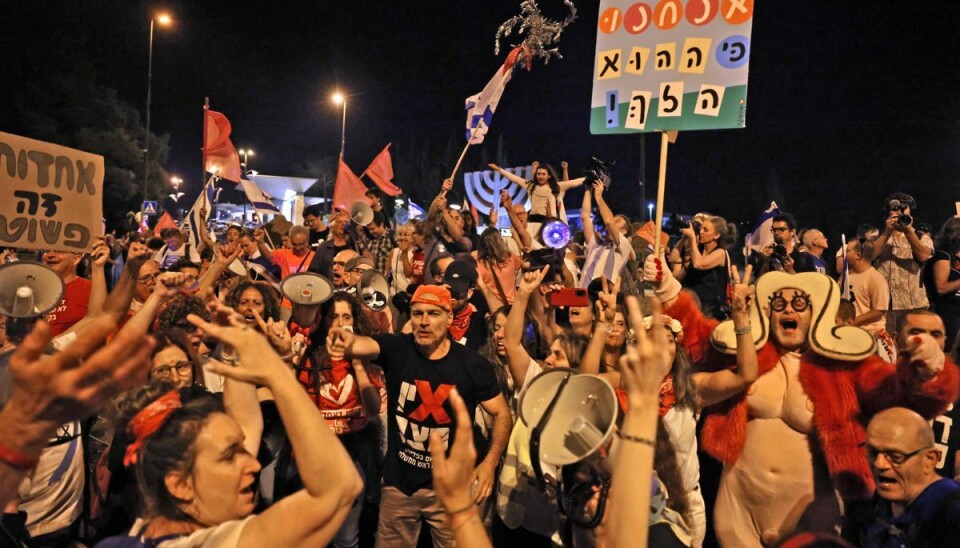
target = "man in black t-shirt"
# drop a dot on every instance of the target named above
(421, 370)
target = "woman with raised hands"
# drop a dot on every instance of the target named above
(682, 392)
(566, 349)
(546, 193)
(196, 469)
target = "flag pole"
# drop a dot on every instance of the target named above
(666, 137)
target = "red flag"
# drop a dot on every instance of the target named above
(381, 173)
(166, 221)
(219, 154)
(348, 189)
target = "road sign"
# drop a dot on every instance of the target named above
(149, 208)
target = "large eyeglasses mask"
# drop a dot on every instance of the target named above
(800, 302)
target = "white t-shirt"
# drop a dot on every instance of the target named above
(225, 535)
(605, 258)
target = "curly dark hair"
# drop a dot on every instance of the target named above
(171, 448)
(271, 305)
(174, 313)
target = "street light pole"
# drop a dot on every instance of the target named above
(339, 99)
(146, 140)
(163, 19)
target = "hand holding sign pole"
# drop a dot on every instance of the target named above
(666, 137)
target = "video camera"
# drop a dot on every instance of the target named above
(599, 170)
(902, 218)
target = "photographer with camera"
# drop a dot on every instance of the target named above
(782, 254)
(607, 257)
(900, 257)
(708, 272)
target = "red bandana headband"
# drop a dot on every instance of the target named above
(148, 421)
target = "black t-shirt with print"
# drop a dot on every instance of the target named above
(418, 392)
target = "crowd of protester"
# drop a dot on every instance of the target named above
(176, 397)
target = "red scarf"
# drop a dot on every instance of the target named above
(461, 322)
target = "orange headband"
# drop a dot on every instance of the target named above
(148, 421)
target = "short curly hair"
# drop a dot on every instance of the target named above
(174, 313)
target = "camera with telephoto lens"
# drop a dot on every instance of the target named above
(696, 226)
(599, 170)
(903, 218)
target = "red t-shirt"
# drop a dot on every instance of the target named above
(72, 308)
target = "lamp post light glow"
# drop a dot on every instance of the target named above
(245, 152)
(176, 182)
(339, 99)
(164, 20)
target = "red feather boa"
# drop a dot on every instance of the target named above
(845, 396)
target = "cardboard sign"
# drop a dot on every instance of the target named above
(51, 197)
(671, 65)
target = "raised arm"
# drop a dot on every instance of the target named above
(605, 213)
(698, 260)
(223, 256)
(518, 360)
(606, 311)
(644, 366)
(98, 277)
(519, 231)
(49, 390)
(313, 515)
(567, 184)
(589, 233)
(265, 250)
(510, 176)
(714, 388)
(202, 228)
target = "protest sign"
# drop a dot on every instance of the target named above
(671, 65)
(51, 197)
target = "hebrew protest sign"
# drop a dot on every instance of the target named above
(51, 197)
(671, 65)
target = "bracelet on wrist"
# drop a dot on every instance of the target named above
(16, 459)
(636, 439)
(745, 330)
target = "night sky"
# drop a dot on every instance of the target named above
(847, 101)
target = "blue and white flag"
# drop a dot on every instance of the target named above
(260, 200)
(762, 237)
(480, 107)
(194, 219)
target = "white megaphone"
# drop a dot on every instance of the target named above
(373, 290)
(307, 291)
(27, 292)
(361, 213)
(581, 412)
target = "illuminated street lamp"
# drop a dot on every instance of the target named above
(245, 152)
(339, 99)
(176, 182)
(163, 19)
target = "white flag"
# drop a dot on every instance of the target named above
(260, 200)
(762, 237)
(194, 219)
(480, 107)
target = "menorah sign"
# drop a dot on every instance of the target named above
(483, 190)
